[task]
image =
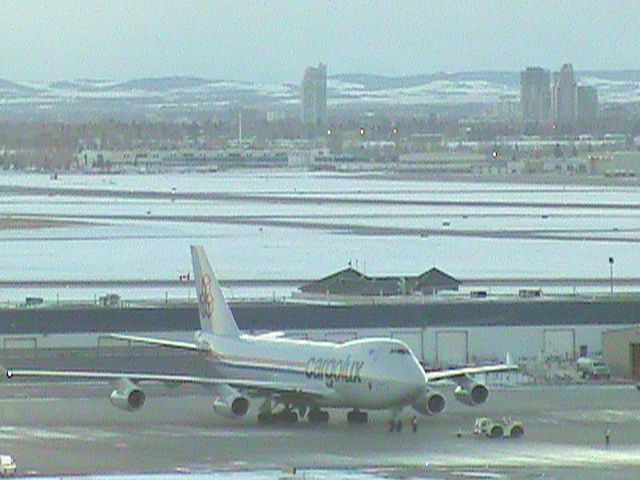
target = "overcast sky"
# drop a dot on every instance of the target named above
(273, 41)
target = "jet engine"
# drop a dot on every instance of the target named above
(127, 396)
(471, 392)
(229, 402)
(430, 402)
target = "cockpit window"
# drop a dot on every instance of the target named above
(401, 351)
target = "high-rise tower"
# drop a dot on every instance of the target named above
(586, 106)
(563, 97)
(314, 95)
(535, 96)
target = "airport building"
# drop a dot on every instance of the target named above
(350, 282)
(621, 351)
(443, 330)
(178, 160)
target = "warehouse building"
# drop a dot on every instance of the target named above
(621, 351)
(441, 332)
(354, 283)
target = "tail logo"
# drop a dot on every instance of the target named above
(206, 297)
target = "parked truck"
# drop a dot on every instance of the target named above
(592, 368)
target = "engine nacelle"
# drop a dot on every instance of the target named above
(230, 403)
(127, 396)
(430, 403)
(471, 392)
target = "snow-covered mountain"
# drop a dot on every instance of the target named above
(181, 94)
(469, 87)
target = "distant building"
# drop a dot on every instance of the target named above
(621, 351)
(431, 282)
(535, 95)
(586, 106)
(615, 164)
(508, 108)
(563, 97)
(314, 95)
(178, 160)
(354, 283)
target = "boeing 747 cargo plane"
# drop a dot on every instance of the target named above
(291, 378)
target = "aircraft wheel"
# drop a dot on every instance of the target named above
(324, 417)
(315, 416)
(290, 417)
(265, 418)
(516, 432)
(357, 417)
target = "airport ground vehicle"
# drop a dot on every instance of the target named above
(498, 428)
(592, 368)
(7, 465)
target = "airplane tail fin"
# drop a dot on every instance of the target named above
(215, 315)
(509, 360)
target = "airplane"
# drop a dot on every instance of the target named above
(293, 378)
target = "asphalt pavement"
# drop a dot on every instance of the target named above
(58, 429)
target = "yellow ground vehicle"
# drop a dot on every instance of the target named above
(7, 465)
(498, 428)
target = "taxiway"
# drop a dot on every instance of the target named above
(54, 429)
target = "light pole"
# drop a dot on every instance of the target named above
(611, 273)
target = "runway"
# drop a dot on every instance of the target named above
(73, 429)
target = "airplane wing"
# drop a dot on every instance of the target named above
(456, 373)
(271, 335)
(159, 342)
(255, 386)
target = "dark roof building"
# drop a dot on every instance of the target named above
(433, 281)
(352, 282)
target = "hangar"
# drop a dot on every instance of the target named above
(621, 351)
(354, 283)
(441, 331)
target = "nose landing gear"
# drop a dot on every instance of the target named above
(395, 426)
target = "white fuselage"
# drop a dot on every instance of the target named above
(368, 373)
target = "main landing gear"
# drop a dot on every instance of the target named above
(285, 417)
(356, 417)
(317, 416)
